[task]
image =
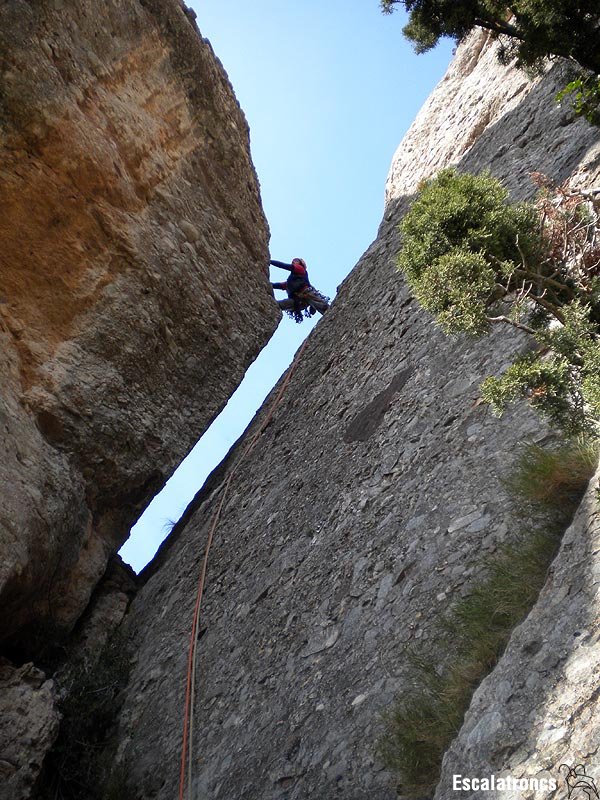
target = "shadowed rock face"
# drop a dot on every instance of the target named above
(133, 282)
(368, 504)
(29, 726)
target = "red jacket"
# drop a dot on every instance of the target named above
(296, 282)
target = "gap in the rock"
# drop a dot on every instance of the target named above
(156, 522)
(325, 123)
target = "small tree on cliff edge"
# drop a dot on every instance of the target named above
(535, 29)
(473, 259)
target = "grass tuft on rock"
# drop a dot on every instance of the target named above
(555, 476)
(423, 721)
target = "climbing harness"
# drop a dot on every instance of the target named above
(190, 682)
(308, 301)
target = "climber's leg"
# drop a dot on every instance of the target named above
(286, 305)
(315, 299)
(320, 305)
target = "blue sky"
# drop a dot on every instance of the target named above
(329, 88)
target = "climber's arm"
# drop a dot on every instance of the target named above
(281, 265)
(279, 285)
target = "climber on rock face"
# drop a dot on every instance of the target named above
(301, 295)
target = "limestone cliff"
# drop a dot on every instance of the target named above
(132, 236)
(367, 505)
(538, 710)
(129, 214)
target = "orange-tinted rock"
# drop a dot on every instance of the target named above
(123, 335)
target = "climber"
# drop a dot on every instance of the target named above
(301, 295)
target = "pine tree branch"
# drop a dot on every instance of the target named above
(512, 322)
(499, 27)
(535, 277)
(550, 307)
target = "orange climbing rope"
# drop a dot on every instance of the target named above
(188, 716)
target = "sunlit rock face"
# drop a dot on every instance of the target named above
(368, 504)
(133, 282)
(535, 718)
(482, 116)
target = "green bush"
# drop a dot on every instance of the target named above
(474, 259)
(531, 30)
(461, 238)
(554, 477)
(564, 383)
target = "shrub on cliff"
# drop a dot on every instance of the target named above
(584, 92)
(80, 764)
(535, 29)
(474, 259)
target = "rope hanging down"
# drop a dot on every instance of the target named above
(190, 683)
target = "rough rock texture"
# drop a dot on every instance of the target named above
(539, 708)
(29, 724)
(103, 615)
(472, 96)
(132, 235)
(369, 502)
(496, 119)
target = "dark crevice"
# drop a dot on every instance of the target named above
(366, 422)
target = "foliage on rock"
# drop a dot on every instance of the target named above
(474, 259)
(79, 766)
(423, 721)
(584, 93)
(531, 31)
(461, 239)
(535, 29)
(554, 477)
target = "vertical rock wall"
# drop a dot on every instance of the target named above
(538, 710)
(132, 237)
(134, 294)
(366, 507)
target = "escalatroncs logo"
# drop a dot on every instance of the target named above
(580, 785)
